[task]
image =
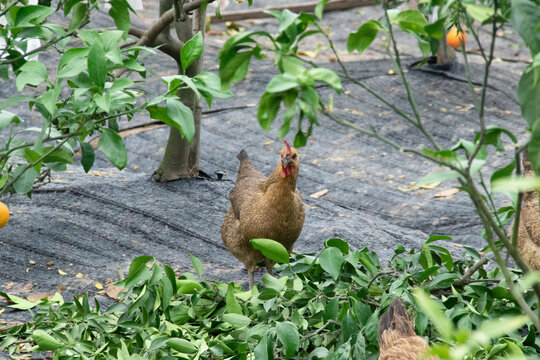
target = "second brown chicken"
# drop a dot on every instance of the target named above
(261, 207)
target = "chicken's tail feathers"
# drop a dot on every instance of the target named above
(242, 155)
(394, 324)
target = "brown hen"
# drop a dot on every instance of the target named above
(397, 339)
(528, 240)
(270, 208)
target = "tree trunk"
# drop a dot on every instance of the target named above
(181, 158)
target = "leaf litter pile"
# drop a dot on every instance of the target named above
(324, 306)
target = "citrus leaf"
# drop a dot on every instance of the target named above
(182, 345)
(112, 145)
(45, 341)
(236, 320)
(192, 50)
(331, 260)
(271, 249)
(289, 337)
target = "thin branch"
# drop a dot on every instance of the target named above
(8, 6)
(373, 132)
(165, 20)
(485, 218)
(321, 329)
(482, 104)
(39, 49)
(32, 164)
(399, 68)
(470, 272)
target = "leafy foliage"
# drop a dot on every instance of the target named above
(308, 311)
(94, 84)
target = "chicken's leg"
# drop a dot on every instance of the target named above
(251, 279)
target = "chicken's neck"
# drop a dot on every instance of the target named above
(287, 183)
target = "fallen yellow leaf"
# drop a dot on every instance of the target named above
(61, 272)
(318, 194)
(79, 275)
(99, 285)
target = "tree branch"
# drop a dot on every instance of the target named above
(165, 20)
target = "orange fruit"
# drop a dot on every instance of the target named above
(4, 214)
(454, 38)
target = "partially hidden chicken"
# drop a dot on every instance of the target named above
(528, 240)
(397, 339)
(270, 208)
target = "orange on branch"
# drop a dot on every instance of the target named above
(4, 214)
(454, 38)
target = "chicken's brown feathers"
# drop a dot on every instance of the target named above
(528, 241)
(262, 207)
(397, 339)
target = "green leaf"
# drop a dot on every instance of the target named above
(433, 310)
(19, 303)
(120, 14)
(525, 17)
(14, 100)
(327, 76)
(49, 99)
(289, 337)
(236, 320)
(363, 37)
(412, 20)
(187, 286)
(112, 145)
(7, 118)
(443, 281)
(60, 155)
(97, 67)
(268, 108)
(45, 341)
(271, 249)
(436, 177)
(480, 13)
(436, 29)
(282, 82)
(434, 238)
(26, 181)
(235, 68)
(182, 345)
(87, 158)
(191, 51)
(209, 85)
(264, 349)
(73, 62)
(31, 15)
(494, 328)
(103, 101)
(139, 262)
(79, 11)
(197, 265)
(231, 305)
(32, 73)
(319, 8)
(517, 184)
(529, 96)
(331, 260)
(339, 244)
(286, 18)
(180, 117)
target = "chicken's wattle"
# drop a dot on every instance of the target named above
(285, 171)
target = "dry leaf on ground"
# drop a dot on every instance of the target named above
(319, 194)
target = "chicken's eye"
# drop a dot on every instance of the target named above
(294, 156)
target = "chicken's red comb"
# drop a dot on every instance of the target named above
(288, 146)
